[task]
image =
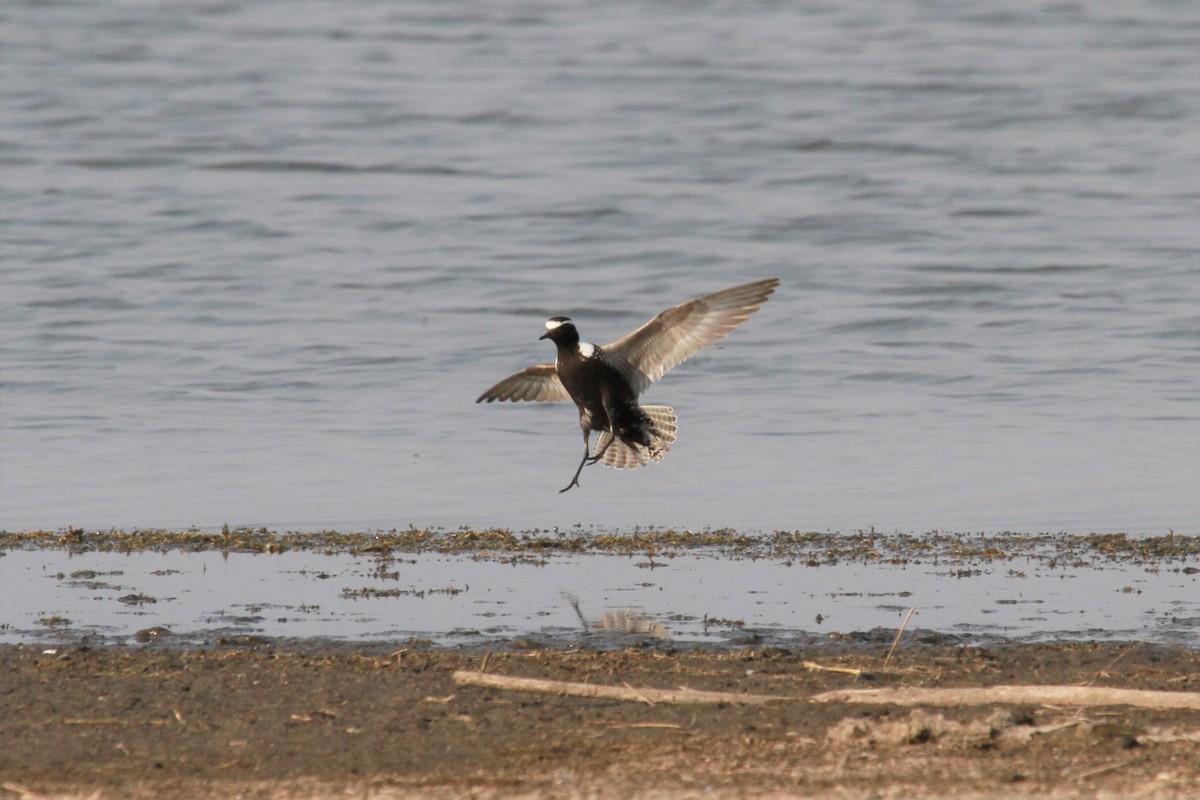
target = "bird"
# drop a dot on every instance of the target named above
(605, 381)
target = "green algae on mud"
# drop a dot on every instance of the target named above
(810, 548)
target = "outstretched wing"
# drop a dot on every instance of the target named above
(538, 383)
(680, 332)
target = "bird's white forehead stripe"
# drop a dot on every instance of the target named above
(551, 324)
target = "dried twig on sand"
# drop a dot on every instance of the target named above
(815, 667)
(904, 696)
(899, 633)
(1049, 695)
(681, 695)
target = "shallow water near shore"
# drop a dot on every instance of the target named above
(498, 588)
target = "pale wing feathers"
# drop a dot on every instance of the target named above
(644, 355)
(665, 422)
(624, 456)
(538, 383)
(680, 332)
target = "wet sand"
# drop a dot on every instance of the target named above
(320, 719)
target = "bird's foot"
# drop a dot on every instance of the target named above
(599, 453)
(574, 482)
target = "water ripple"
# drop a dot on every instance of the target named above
(258, 266)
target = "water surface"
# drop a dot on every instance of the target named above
(258, 261)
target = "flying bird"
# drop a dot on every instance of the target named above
(605, 381)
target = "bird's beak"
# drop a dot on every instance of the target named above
(545, 335)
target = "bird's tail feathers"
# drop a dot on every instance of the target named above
(619, 454)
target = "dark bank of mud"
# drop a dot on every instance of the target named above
(322, 719)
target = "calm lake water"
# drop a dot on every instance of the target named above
(258, 260)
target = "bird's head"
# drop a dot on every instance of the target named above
(559, 330)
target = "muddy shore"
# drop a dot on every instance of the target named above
(321, 719)
(207, 715)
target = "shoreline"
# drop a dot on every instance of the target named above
(255, 716)
(810, 548)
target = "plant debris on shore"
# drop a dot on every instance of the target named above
(812, 548)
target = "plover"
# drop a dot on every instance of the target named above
(605, 381)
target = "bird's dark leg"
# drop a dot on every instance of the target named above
(586, 447)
